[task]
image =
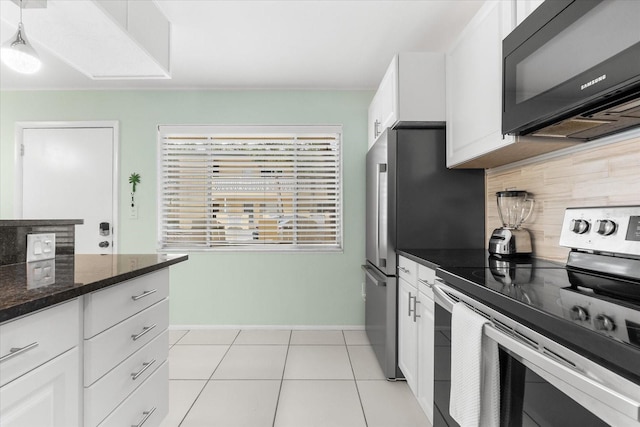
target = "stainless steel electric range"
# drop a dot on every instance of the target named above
(569, 334)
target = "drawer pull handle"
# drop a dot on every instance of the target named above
(144, 294)
(144, 331)
(146, 414)
(16, 351)
(424, 282)
(145, 366)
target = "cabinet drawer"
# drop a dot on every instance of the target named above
(150, 401)
(106, 350)
(46, 396)
(105, 308)
(407, 270)
(426, 279)
(107, 393)
(42, 335)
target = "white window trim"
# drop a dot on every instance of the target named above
(250, 129)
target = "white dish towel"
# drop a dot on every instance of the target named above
(475, 371)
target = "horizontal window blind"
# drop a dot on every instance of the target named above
(250, 188)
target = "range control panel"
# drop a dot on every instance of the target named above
(614, 229)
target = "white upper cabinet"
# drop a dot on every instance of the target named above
(474, 92)
(474, 85)
(412, 90)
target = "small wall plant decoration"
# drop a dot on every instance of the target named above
(134, 179)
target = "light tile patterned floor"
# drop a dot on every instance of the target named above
(275, 378)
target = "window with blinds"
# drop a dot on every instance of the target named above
(250, 187)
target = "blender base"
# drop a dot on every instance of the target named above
(510, 242)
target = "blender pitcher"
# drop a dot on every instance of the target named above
(514, 208)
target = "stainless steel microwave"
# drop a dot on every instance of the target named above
(572, 70)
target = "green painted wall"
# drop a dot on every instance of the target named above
(230, 288)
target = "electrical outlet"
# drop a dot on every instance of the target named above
(41, 246)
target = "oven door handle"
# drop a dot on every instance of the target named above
(440, 297)
(567, 378)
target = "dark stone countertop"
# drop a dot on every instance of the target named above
(436, 258)
(74, 275)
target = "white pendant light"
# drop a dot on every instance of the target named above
(18, 54)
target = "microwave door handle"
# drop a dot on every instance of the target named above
(381, 215)
(567, 378)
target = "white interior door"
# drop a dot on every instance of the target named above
(68, 173)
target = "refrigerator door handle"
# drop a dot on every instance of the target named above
(381, 215)
(368, 271)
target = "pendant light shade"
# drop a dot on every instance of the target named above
(18, 54)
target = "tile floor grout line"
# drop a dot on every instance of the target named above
(206, 382)
(193, 403)
(364, 415)
(284, 367)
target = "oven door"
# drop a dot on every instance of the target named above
(546, 80)
(542, 383)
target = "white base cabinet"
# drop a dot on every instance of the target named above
(47, 396)
(121, 376)
(408, 333)
(416, 330)
(39, 368)
(126, 343)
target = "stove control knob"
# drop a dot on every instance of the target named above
(579, 313)
(579, 226)
(604, 323)
(606, 227)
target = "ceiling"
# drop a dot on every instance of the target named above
(264, 44)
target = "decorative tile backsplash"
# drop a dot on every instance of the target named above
(604, 176)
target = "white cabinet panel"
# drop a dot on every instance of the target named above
(474, 85)
(105, 308)
(107, 393)
(416, 331)
(407, 333)
(48, 396)
(149, 402)
(407, 270)
(43, 335)
(412, 90)
(426, 280)
(104, 351)
(426, 333)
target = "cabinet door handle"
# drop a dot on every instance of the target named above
(376, 132)
(145, 366)
(424, 282)
(144, 294)
(146, 414)
(415, 309)
(409, 301)
(16, 351)
(145, 330)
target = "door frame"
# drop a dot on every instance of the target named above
(20, 127)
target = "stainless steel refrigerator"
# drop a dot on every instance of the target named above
(413, 202)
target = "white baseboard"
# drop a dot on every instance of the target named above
(271, 327)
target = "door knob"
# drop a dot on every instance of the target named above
(104, 244)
